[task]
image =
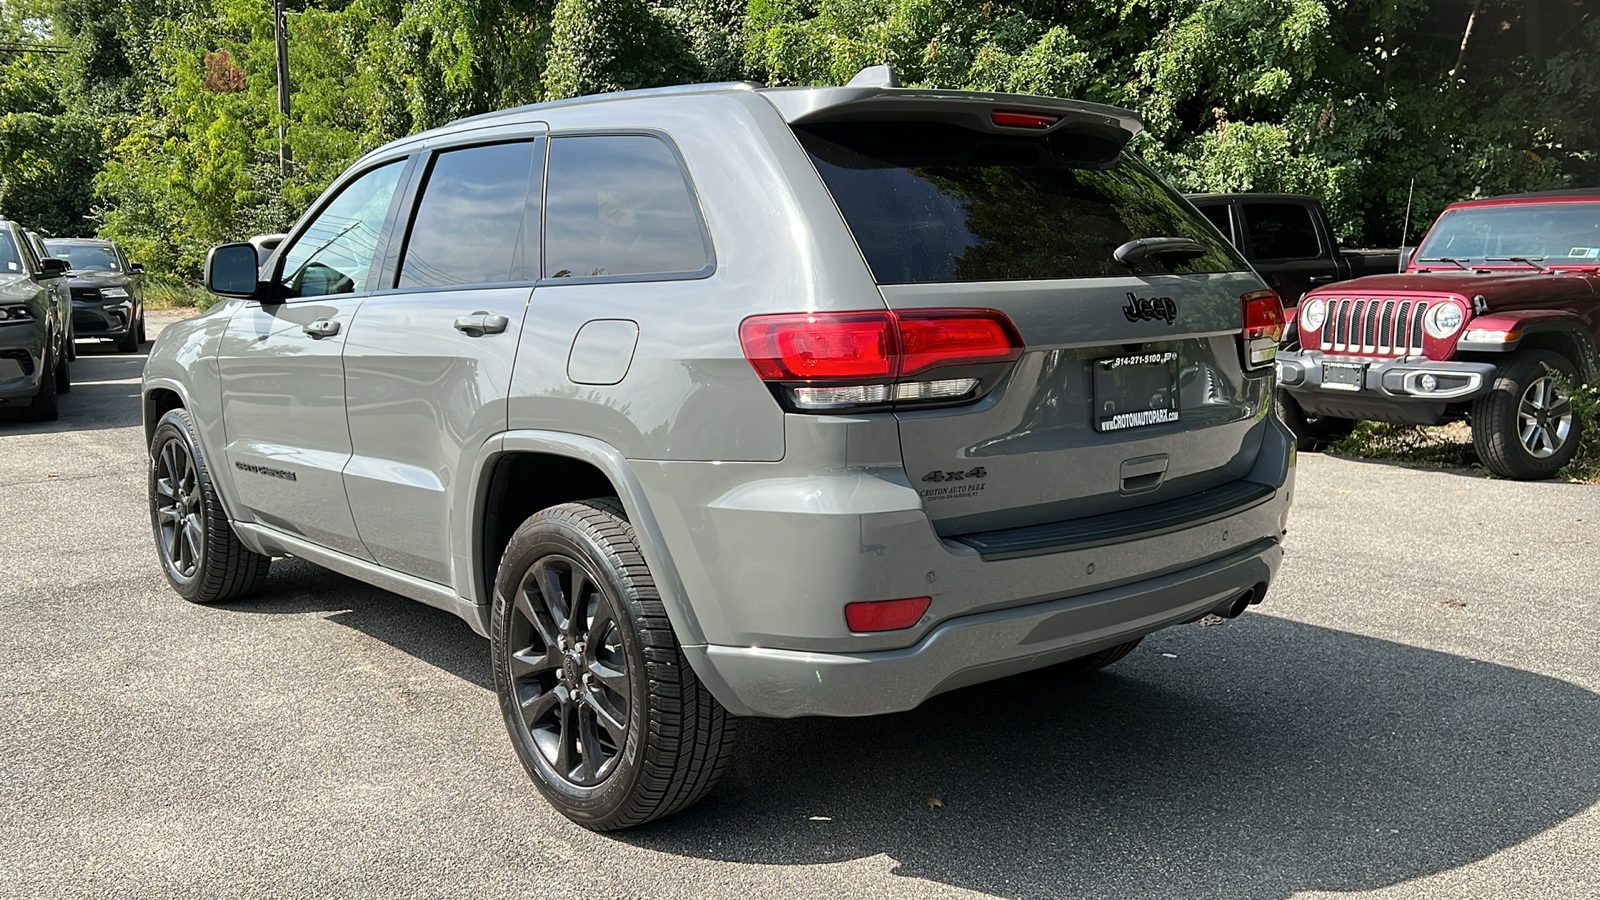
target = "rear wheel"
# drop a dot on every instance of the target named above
(1310, 432)
(45, 406)
(200, 555)
(1526, 427)
(602, 708)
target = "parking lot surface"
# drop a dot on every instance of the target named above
(1411, 713)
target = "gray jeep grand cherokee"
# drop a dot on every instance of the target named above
(723, 401)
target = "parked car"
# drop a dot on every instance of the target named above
(60, 293)
(1288, 239)
(1496, 316)
(107, 291)
(33, 354)
(719, 401)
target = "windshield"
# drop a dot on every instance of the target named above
(84, 256)
(10, 262)
(934, 202)
(1555, 233)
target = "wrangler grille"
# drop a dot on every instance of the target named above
(1373, 326)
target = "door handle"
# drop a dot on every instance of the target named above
(1318, 279)
(481, 323)
(321, 328)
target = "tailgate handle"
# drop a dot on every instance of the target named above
(1143, 473)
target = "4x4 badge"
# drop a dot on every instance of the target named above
(1148, 308)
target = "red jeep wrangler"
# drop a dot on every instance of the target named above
(1500, 296)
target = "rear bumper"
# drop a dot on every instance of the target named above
(768, 556)
(1390, 390)
(976, 648)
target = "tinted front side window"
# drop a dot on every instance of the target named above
(620, 205)
(472, 220)
(1281, 231)
(934, 202)
(334, 253)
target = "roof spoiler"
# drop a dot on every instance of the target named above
(875, 94)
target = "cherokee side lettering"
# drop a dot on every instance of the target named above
(1148, 308)
(270, 472)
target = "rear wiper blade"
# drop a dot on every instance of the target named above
(1461, 264)
(1528, 260)
(1181, 248)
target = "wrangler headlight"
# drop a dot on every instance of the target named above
(1443, 320)
(1313, 313)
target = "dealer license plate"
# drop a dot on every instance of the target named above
(1135, 391)
(1343, 376)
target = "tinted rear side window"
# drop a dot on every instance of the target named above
(620, 205)
(934, 202)
(1219, 217)
(1281, 231)
(471, 224)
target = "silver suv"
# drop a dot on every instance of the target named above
(724, 401)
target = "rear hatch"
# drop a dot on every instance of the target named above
(1132, 390)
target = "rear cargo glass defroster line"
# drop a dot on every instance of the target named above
(935, 202)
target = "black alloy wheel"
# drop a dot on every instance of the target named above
(202, 558)
(569, 670)
(178, 510)
(603, 709)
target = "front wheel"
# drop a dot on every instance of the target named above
(46, 405)
(200, 555)
(601, 705)
(1310, 432)
(1526, 427)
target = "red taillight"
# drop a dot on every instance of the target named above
(1012, 118)
(1263, 327)
(837, 360)
(886, 615)
(954, 337)
(821, 346)
(1263, 315)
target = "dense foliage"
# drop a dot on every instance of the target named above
(158, 125)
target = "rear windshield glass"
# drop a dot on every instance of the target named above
(1555, 233)
(934, 202)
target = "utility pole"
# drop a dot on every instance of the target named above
(279, 27)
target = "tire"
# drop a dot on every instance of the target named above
(64, 374)
(1311, 433)
(72, 342)
(1526, 427)
(129, 343)
(1094, 662)
(660, 740)
(142, 338)
(200, 555)
(46, 407)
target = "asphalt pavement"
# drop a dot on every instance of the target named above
(1411, 713)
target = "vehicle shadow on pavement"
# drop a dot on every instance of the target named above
(1261, 758)
(1267, 758)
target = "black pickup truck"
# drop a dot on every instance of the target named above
(1287, 238)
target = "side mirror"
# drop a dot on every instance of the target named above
(231, 270)
(136, 268)
(50, 267)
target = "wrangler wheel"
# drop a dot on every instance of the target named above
(1526, 427)
(601, 706)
